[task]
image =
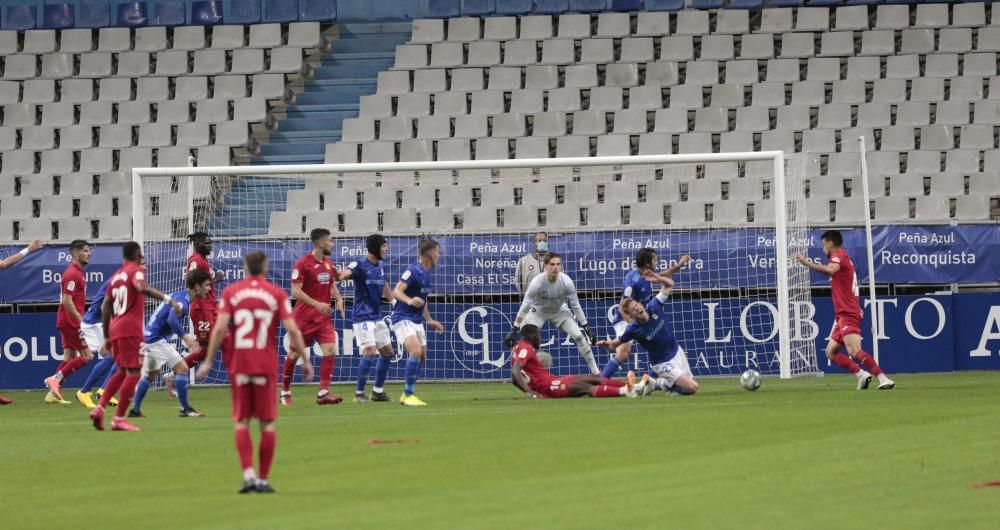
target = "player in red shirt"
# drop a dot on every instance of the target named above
(314, 284)
(528, 374)
(255, 306)
(847, 313)
(122, 315)
(73, 301)
(9, 262)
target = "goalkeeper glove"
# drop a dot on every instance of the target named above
(590, 334)
(511, 336)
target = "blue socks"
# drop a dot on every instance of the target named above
(140, 393)
(181, 385)
(381, 372)
(111, 373)
(363, 369)
(412, 367)
(99, 371)
(611, 368)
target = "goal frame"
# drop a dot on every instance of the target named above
(777, 158)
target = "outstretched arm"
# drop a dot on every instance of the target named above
(12, 260)
(526, 303)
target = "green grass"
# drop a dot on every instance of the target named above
(807, 453)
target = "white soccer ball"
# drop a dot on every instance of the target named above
(751, 380)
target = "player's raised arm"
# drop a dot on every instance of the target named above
(681, 263)
(12, 260)
(829, 269)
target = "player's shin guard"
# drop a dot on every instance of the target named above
(583, 345)
(868, 362)
(326, 372)
(111, 387)
(140, 393)
(610, 369)
(381, 373)
(846, 363)
(601, 391)
(268, 442)
(244, 447)
(128, 390)
(181, 384)
(99, 371)
(287, 372)
(410, 375)
(364, 367)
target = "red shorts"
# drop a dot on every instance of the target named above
(558, 387)
(255, 396)
(72, 339)
(126, 352)
(845, 324)
(319, 332)
(203, 316)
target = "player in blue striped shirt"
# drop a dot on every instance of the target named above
(370, 333)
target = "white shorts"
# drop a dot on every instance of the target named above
(620, 328)
(405, 329)
(564, 320)
(158, 354)
(93, 336)
(368, 334)
(674, 368)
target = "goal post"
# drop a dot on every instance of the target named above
(740, 216)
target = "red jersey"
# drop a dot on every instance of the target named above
(127, 301)
(74, 284)
(256, 306)
(539, 378)
(316, 278)
(197, 261)
(844, 284)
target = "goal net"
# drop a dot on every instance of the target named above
(740, 303)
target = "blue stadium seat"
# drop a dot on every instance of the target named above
(626, 5)
(93, 15)
(862, 2)
(476, 8)
(317, 10)
(281, 10)
(664, 5)
(745, 4)
(19, 18)
(786, 3)
(824, 3)
(586, 6)
(706, 4)
(242, 12)
(168, 13)
(58, 16)
(132, 14)
(443, 8)
(513, 7)
(551, 6)
(206, 13)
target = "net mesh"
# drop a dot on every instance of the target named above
(722, 215)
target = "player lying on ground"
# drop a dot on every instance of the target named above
(314, 285)
(255, 306)
(9, 262)
(122, 321)
(551, 297)
(528, 374)
(370, 332)
(73, 299)
(159, 349)
(638, 286)
(411, 314)
(652, 328)
(847, 313)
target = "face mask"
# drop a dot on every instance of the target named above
(542, 247)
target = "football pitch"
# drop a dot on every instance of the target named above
(801, 454)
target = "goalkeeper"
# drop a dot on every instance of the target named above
(551, 297)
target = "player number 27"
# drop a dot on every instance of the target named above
(246, 320)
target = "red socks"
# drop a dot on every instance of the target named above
(287, 372)
(73, 365)
(244, 447)
(868, 362)
(113, 385)
(617, 383)
(326, 372)
(195, 358)
(268, 441)
(128, 390)
(605, 391)
(846, 363)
